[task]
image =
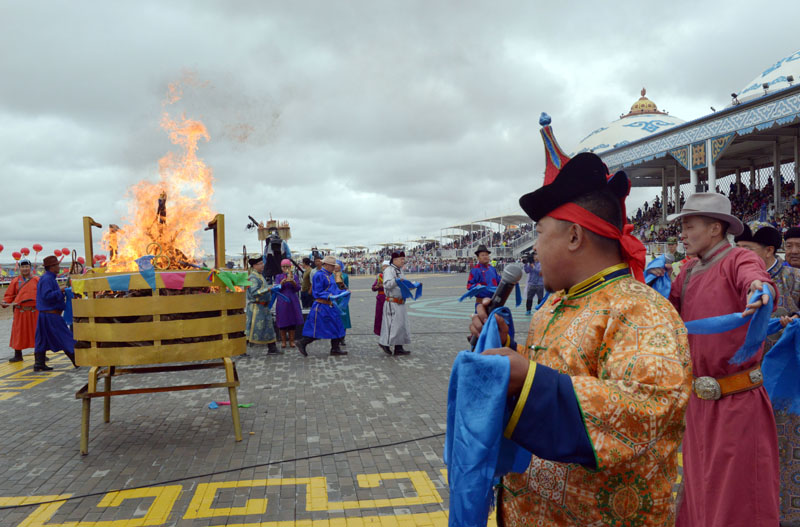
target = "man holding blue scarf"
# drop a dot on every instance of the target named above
(324, 320)
(394, 326)
(598, 392)
(483, 274)
(730, 449)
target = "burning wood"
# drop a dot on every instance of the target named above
(184, 180)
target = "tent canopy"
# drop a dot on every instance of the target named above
(511, 219)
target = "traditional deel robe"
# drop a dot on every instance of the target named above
(324, 320)
(52, 333)
(23, 293)
(259, 328)
(346, 310)
(483, 275)
(288, 314)
(395, 328)
(601, 409)
(730, 450)
(787, 280)
(380, 300)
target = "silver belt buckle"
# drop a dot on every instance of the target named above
(707, 388)
(756, 377)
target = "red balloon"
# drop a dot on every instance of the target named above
(16, 255)
(81, 260)
(65, 251)
(37, 247)
(1, 248)
(25, 251)
(57, 252)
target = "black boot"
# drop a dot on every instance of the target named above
(272, 349)
(71, 358)
(342, 342)
(386, 349)
(39, 364)
(398, 350)
(302, 342)
(17, 356)
(335, 349)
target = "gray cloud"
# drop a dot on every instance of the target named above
(359, 122)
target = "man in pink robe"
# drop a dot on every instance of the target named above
(730, 448)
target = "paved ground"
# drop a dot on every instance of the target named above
(384, 415)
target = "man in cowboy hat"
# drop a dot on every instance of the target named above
(21, 296)
(324, 321)
(599, 389)
(730, 427)
(395, 328)
(483, 274)
(52, 332)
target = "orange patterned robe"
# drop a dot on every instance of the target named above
(626, 351)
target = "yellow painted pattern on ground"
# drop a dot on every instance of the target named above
(15, 376)
(160, 511)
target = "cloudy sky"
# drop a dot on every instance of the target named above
(359, 122)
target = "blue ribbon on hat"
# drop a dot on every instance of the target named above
(489, 290)
(405, 289)
(756, 332)
(662, 284)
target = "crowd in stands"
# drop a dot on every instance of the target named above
(749, 205)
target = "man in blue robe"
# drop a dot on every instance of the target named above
(324, 320)
(483, 274)
(52, 332)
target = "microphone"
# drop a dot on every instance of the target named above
(511, 276)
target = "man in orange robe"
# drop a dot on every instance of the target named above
(21, 296)
(600, 388)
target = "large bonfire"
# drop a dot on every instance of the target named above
(165, 217)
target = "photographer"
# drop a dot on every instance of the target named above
(535, 283)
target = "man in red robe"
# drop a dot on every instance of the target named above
(730, 448)
(21, 296)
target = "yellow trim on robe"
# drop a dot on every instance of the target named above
(587, 285)
(523, 398)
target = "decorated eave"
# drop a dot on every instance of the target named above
(741, 137)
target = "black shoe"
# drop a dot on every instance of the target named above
(342, 342)
(272, 349)
(338, 351)
(301, 347)
(398, 350)
(386, 349)
(42, 367)
(17, 356)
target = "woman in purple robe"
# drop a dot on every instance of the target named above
(380, 299)
(288, 314)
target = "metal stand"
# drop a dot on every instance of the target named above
(89, 392)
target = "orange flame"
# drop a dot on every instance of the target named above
(175, 222)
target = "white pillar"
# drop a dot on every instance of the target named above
(776, 175)
(677, 176)
(796, 166)
(692, 171)
(663, 195)
(712, 169)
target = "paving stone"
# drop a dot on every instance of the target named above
(302, 407)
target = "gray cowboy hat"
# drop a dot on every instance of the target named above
(711, 205)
